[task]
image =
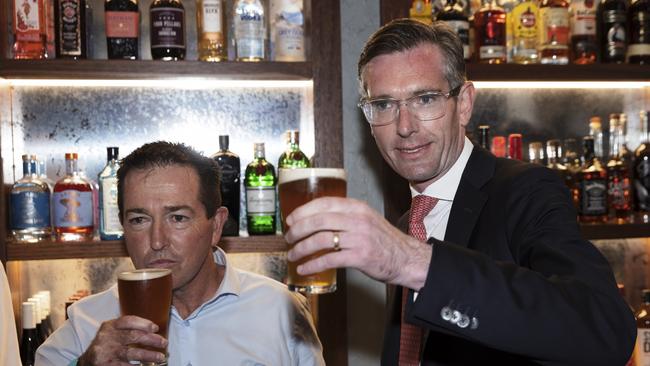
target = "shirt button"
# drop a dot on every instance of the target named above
(187, 324)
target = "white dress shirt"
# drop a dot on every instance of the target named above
(9, 354)
(251, 320)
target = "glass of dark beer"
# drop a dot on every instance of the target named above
(297, 187)
(147, 293)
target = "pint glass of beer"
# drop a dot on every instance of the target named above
(297, 187)
(147, 293)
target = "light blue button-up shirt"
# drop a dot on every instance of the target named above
(251, 320)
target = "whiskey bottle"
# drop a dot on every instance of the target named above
(230, 182)
(536, 152)
(421, 10)
(638, 51)
(292, 157)
(642, 347)
(122, 20)
(612, 20)
(110, 227)
(249, 22)
(29, 339)
(525, 20)
(584, 44)
(484, 137)
(73, 204)
(30, 206)
(30, 29)
(553, 32)
(591, 183)
(287, 31)
(641, 168)
(596, 131)
(260, 181)
(453, 14)
(490, 33)
(70, 29)
(554, 155)
(619, 190)
(515, 146)
(211, 27)
(167, 30)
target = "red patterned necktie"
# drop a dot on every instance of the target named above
(410, 339)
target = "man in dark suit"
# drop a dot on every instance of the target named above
(494, 269)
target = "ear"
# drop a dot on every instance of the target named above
(465, 103)
(218, 221)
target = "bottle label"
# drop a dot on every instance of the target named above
(249, 34)
(525, 20)
(461, 27)
(27, 20)
(594, 197)
(554, 27)
(167, 28)
(211, 15)
(110, 211)
(69, 27)
(583, 17)
(619, 192)
(287, 30)
(260, 200)
(642, 349)
(30, 210)
(122, 24)
(640, 29)
(73, 208)
(642, 184)
(614, 30)
(490, 52)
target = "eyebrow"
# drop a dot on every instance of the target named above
(414, 93)
(167, 209)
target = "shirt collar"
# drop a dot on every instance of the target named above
(445, 187)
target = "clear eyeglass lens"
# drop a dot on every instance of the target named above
(423, 107)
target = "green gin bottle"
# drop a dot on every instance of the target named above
(292, 157)
(260, 182)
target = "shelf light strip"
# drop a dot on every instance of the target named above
(561, 84)
(185, 83)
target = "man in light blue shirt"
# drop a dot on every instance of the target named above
(168, 196)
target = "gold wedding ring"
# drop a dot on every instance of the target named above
(336, 240)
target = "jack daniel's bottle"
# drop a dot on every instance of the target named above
(230, 182)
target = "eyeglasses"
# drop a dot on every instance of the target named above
(425, 106)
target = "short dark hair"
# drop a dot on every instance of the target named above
(404, 34)
(162, 154)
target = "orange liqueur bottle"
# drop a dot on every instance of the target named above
(30, 29)
(73, 204)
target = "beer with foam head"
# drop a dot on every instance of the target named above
(147, 293)
(297, 187)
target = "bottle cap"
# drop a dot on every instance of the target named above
(515, 148)
(292, 136)
(112, 152)
(594, 122)
(224, 141)
(29, 315)
(47, 300)
(259, 149)
(71, 156)
(499, 146)
(553, 148)
(37, 309)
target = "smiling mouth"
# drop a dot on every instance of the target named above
(412, 149)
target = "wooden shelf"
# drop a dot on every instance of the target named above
(157, 70)
(100, 249)
(594, 72)
(615, 231)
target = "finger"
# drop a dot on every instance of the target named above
(324, 262)
(322, 205)
(132, 322)
(136, 353)
(145, 339)
(323, 240)
(324, 221)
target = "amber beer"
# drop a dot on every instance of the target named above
(147, 293)
(297, 187)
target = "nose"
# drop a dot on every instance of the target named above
(406, 124)
(158, 235)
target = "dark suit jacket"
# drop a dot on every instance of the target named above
(514, 282)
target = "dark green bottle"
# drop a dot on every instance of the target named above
(292, 157)
(260, 181)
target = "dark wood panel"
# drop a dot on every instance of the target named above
(145, 69)
(5, 7)
(595, 72)
(614, 231)
(393, 9)
(99, 249)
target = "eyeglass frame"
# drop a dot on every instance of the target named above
(407, 101)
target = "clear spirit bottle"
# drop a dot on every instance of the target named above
(260, 182)
(30, 206)
(287, 30)
(249, 22)
(110, 227)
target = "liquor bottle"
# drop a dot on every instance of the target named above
(230, 185)
(211, 29)
(591, 182)
(167, 30)
(109, 215)
(29, 339)
(73, 204)
(484, 136)
(40, 335)
(584, 43)
(453, 14)
(596, 131)
(421, 10)
(47, 301)
(499, 146)
(619, 193)
(515, 146)
(525, 20)
(249, 19)
(292, 157)
(490, 33)
(260, 182)
(573, 162)
(508, 6)
(536, 152)
(626, 154)
(41, 172)
(612, 20)
(50, 44)
(641, 168)
(554, 155)
(638, 51)
(122, 20)
(30, 206)
(70, 29)
(553, 32)
(287, 30)
(30, 29)
(642, 347)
